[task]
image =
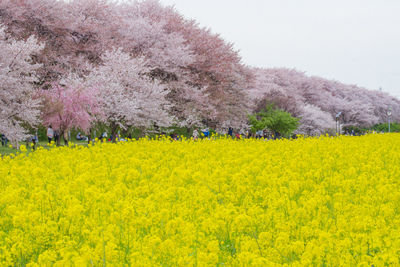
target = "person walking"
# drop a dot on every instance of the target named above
(247, 134)
(4, 140)
(57, 137)
(242, 133)
(103, 136)
(206, 132)
(230, 131)
(50, 133)
(195, 134)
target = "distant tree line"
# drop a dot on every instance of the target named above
(80, 64)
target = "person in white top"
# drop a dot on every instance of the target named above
(195, 134)
(50, 133)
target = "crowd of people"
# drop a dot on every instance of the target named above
(239, 134)
(80, 137)
(54, 135)
(31, 139)
(202, 133)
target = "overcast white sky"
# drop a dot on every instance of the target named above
(352, 41)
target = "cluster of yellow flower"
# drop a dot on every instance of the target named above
(314, 201)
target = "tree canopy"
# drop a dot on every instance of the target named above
(163, 68)
(275, 120)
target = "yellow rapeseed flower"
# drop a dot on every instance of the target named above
(218, 201)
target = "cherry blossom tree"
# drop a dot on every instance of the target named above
(314, 121)
(316, 100)
(70, 106)
(18, 108)
(205, 74)
(129, 97)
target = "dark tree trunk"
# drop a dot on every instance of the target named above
(142, 131)
(114, 129)
(65, 137)
(89, 136)
(60, 133)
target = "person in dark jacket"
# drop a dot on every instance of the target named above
(230, 131)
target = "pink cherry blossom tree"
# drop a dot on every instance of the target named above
(70, 106)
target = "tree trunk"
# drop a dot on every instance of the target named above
(114, 129)
(89, 136)
(60, 133)
(141, 131)
(65, 137)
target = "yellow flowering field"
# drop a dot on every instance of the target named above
(315, 201)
